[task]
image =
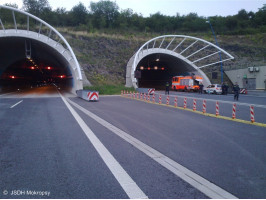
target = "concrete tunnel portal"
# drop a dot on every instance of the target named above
(163, 57)
(44, 66)
(33, 53)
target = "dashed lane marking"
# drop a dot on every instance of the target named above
(16, 104)
(127, 183)
(198, 182)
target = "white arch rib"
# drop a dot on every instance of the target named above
(52, 29)
(140, 53)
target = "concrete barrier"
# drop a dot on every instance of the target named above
(88, 95)
(146, 90)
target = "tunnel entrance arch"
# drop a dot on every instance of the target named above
(163, 57)
(31, 39)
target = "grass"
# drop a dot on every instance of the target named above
(109, 89)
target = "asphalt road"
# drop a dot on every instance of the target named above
(44, 148)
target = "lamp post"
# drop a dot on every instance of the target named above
(219, 51)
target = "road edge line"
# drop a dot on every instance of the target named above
(206, 187)
(127, 183)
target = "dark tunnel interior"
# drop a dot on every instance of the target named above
(27, 63)
(154, 70)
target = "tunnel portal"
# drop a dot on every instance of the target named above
(44, 66)
(161, 58)
(33, 53)
(155, 70)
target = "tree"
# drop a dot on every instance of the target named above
(36, 7)
(242, 15)
(105, 10)
(79, 14)
(231, 23)
(260, 16)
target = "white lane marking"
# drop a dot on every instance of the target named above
(214, 100)
(127, 183)
(209, 189)
(16, 104)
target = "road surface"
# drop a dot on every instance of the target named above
(65, 147)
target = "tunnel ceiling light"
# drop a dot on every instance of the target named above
(49, 68)
(32, 67)
(149, 68)
(157, 60)
(155, 67)
(13, 77)
(141, 68)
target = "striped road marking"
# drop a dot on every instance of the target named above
(126, 182)
(209, 189)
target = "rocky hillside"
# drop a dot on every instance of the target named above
(104, 56)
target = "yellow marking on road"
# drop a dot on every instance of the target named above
(206, 114)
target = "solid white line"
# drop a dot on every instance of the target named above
(16, 104)
(209, 189)
(126, 182)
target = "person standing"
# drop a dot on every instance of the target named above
(200, 88)
(236, 90)
(225, 88)
(167, 88)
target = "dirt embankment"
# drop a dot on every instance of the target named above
(104, 57)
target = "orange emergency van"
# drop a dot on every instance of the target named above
(186, 83)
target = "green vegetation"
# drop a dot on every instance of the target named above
(105, 15)
(109, 89)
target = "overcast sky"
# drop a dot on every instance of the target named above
(168, 7)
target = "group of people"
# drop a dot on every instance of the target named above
(236, 89)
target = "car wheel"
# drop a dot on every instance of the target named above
(214, 92)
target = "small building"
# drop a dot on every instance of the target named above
(251, 78)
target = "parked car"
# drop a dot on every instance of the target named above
(213, 89)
